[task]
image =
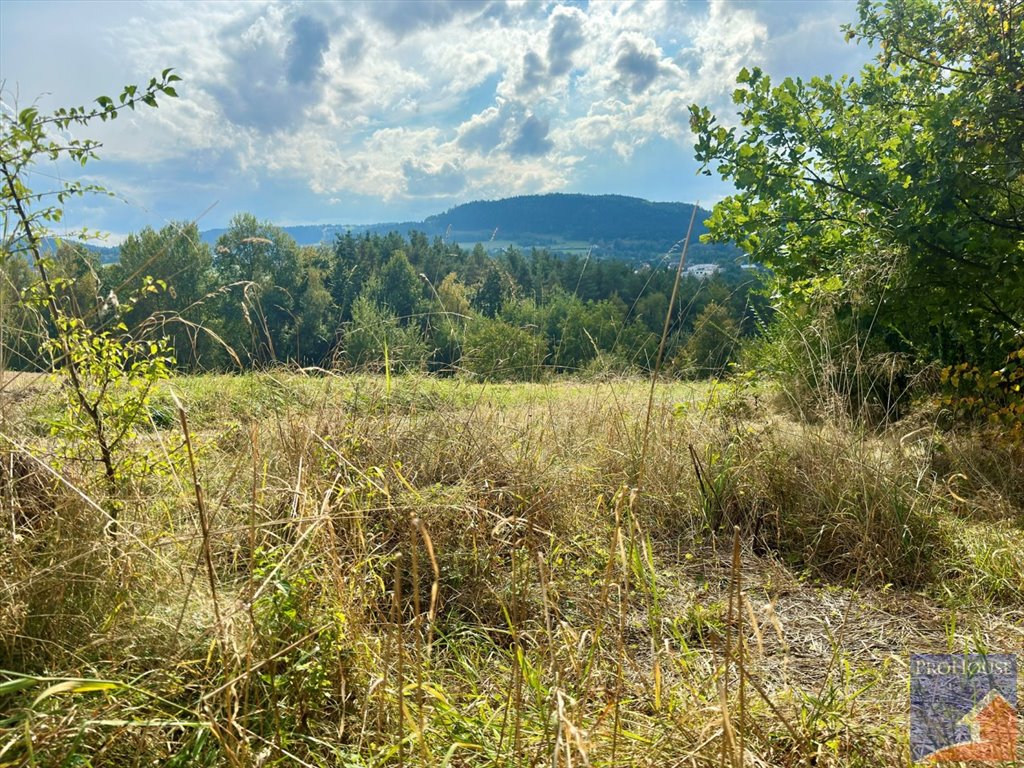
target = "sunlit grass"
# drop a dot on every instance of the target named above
(430, 571)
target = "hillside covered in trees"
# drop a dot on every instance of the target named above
(257, 298)
(606, 226)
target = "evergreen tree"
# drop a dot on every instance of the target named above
(490, 296)
(399, 288)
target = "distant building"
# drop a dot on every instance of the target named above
(701, 271)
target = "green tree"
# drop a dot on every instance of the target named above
(374, 339)
(651, 309)
(476, 265)
(177, 256)
(519, 271)
(352, 267)
(258, 265)
(578, 331)
(448, 323)
(109, 374)
(491, 294)
(77, 283)
(906, 182)
(709, 349)
(316, 315)
(399, 287)
(636, 347)
(22, 329)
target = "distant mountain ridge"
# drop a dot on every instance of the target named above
(598, 218)
(107, 254)
(607, 226)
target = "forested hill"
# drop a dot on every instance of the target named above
(592, 218)
(609, 226)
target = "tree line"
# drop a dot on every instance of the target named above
(369, 302)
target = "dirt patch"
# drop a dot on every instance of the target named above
(810, 637)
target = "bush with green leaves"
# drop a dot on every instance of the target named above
(497, 351)
(913, 169)
(995, 397)
(712, 345)
(117, 373)
(375, 340)
(108, 373)
(827, 358)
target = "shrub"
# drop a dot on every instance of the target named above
(823, 502)
(995, 397)
(711, 346)
(375, 339)
(828, 361)
(497, 351)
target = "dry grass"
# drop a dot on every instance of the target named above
(426, 572)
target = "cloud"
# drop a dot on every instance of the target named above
(509, 128)
(565, 37)
(638, 63)
(402, 18)
(422, 180)
(270, 78)
(304, 54)
(787, 30)
(530, 138)
(398, 102)
(595, 130)
(729, 38)
(353, 49)
(534, 73)
(482, 132)
(459, 67)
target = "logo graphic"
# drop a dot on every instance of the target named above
(963, 708)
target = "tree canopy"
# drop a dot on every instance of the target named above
(906, 182)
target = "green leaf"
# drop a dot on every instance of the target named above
(75, 686)
(8, 687)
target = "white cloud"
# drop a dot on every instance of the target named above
(400, 101)
(731, 39)
(425, 180)
(566, 35)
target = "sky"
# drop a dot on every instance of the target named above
(349, 113)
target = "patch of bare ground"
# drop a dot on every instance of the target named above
(20, 385)
(797, 630)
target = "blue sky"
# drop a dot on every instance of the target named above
(357, 113)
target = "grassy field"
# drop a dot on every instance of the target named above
(359, 571)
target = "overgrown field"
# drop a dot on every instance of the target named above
(362, 571)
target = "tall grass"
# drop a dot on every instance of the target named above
(348, 571)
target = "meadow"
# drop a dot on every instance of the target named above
(351, 570)
(318, 561)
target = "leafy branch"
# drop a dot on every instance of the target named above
(109, 375)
